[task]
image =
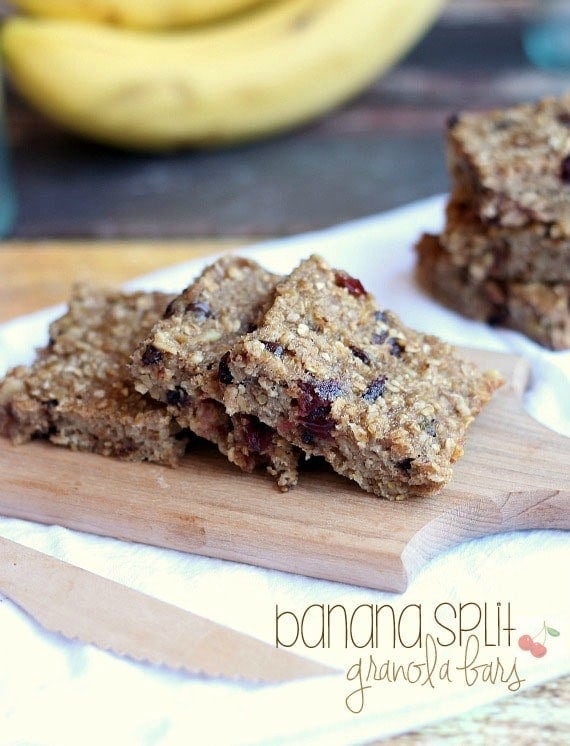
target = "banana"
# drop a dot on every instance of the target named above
(216, 85)
(148, 14)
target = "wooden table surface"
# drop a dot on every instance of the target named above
(381, 150)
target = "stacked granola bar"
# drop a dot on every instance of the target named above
(504, 254)
(270, 369)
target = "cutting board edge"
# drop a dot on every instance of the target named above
(398, 584)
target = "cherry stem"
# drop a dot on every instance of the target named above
(543, 630)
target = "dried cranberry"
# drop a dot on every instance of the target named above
(275, 348)
(354, 286)
(396, 347)
(314, 408)
(151, 355)
(177, 396)
(360, 354)
(258, 435)
(169, 310)
(565, 169)
(379, 339)
(224, 373)
(200, 309)
(319, 427)
(375, 390)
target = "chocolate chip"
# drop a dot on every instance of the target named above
(499, 315)
(200, 309)
(565, 169)
(360, 354)
(379, 339)
(396, 347)
(52, 402)
(125, 449)
(375, 390)
(275, 348)
(564, 118)
(177, 396)
(501, 255)
(354, 286)
(405, 465)
(328, 389)
(224, 373)
(503, 124)
(169, 310)
(429, 426)
(151, 355)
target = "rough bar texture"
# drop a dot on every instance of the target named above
(527, 254)
(340, 378)
(78, 392)
(539, 310)
(513, 165)
(183, 363)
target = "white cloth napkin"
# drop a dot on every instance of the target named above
(54, 692)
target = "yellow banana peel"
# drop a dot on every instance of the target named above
(144, 14)
(263, 72)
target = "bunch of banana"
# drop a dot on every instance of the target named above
(145, 14)
(236, 78)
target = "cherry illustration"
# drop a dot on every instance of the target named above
(525, 642)
(538, 650)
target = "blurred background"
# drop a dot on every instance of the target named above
(382, 149)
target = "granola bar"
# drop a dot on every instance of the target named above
(183, 363)
(539, 310)
(513, 165)
(526, 254)
(78, 393)
(340, 378)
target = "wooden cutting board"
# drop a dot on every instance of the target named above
(515, 474)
